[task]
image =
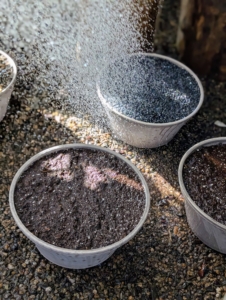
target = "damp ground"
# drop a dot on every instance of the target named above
(165, 260)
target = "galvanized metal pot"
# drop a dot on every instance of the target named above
(143, 134)
(5, 94)
(69, 258)
(209, 231)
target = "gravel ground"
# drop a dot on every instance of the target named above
(165, 260)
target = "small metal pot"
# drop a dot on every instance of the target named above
(143, 134)
(68, 258)
(209, 231)
(5, 94)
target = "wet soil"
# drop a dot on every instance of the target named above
(205, 180)
(80, 199)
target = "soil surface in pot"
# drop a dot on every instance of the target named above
(6, 72)
(80, 199)
(204, 177)
(150, 89)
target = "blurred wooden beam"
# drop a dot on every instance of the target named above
(148, 12)
(201, 38)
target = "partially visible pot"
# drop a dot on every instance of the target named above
(69, 258)
(6, 92)
(208, 230)
(144, 134)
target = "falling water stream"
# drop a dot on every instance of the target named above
(67, 43)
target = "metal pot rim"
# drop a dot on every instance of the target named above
(175, 62)
(12, 63)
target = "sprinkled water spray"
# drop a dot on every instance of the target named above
(68, 42)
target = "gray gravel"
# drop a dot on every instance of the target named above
(150, 89)
(165, 260)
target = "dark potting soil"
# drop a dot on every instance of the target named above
(80, 199)
(205, 180)
(150, 89)
(6, 72)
